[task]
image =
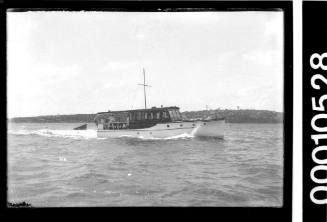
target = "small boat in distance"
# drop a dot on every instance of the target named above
(155, 122)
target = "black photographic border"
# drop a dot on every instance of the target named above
(217, 213)
(314, 41)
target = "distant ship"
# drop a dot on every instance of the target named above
(155, 122)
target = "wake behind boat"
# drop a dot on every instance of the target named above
(156, 122)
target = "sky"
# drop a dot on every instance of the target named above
(89, 62)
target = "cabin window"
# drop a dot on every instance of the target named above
(151, 115)
(164, 113)
(130, 116)
(145, 115)
(177, 114)
(139, 116)
(172, 114)
(158, 115)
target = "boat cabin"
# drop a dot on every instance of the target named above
(136, 119)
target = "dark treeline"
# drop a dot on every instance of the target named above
(232, 116)
(73, 118)
(238, 116)
(20, 204)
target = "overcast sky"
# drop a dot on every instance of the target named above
(88, 62)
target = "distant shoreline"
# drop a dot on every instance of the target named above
(232, 116)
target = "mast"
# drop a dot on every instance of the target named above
(144, 85)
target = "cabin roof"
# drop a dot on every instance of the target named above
(134, 110)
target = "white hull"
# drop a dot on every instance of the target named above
(213, 128)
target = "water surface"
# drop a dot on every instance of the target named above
(50, 165)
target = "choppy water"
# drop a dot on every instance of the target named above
(52, 165)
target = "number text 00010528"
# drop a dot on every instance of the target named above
(316, 63)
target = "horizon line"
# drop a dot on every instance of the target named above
(150, 108)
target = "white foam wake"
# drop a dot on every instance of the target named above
(75, 134)
(87, 134)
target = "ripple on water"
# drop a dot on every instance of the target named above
(244, 169)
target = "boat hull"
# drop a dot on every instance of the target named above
(160, 130)
(212, 128)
